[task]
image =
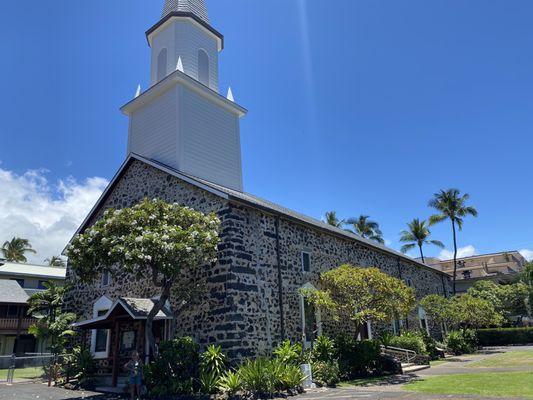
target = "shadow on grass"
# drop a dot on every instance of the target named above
(382, 380)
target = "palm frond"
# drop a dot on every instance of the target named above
(406, 247)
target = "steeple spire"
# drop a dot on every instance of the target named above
(195, 7)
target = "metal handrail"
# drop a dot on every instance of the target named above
(410, 354)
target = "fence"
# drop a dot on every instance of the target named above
(26, 366)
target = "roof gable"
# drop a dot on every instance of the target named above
(250, 201)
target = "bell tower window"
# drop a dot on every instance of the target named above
(162, 65)
(203, 67)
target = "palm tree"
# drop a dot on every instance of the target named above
(332, 219)
(55, 261)
(366, 228)
(48, 301)
(451, 205)
(15, 250)
(417, 235)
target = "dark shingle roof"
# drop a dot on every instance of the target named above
(195, 7)
(12, 293)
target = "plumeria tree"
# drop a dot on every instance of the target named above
(152, 240)
(356, 294)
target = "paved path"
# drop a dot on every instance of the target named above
(39, 391)
(392, 389)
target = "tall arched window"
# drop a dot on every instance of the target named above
(203, 67)
(162, 65)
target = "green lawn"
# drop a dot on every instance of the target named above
(506, 360)
(503, 384)
(23, 373)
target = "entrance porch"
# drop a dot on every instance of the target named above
(124, 326)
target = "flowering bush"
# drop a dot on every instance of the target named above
(153, 239)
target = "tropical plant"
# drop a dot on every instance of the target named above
(53, 326)
(365, 228)
(461, 342)
(257, 376)
(289, 353)
(15, 250)
(152, 240)
(47, 302)
(176, 370)
(356, 358)
(230, 383)
(331, 218)
(355, 294)
(417, 235)
(213, 360)
(451, 205)
(55, 261)
(56, 331)
(409, 341)
(326, 373)
(438, 308)
(79, 364)
(323, 349)
(209, 382)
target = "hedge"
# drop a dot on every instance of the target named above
(505, 336)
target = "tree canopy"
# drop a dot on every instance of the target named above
(152, 240)
(361, 294)
(417, 234)
(15, 250)
(366, 228)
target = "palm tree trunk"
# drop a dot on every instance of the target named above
(454, 255)
(422, 254)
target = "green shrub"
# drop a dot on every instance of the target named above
(263, 376)
(356, 358)
(386, 338)
(326, 373)
(288, 377)
(209, 382)
(257, 376)
(176, 370)
(432, 346)
(409, 341)
(461, 342)
(230, 383)
(323, 350)
(289, 353)
(505, 336)
(213, 360)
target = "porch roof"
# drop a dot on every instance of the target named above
(136, 309)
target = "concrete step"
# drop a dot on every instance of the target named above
(410, 367)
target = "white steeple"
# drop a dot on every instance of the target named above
(182, 121)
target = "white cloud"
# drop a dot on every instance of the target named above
(527, 254)
(466, 251)
(47, 214)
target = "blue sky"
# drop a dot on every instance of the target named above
(359, 106)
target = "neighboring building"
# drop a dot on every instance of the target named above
(17, 283)
(184, 146)
(498, 267)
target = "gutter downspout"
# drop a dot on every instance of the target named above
(280, 283)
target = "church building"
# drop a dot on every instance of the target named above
(184, 146)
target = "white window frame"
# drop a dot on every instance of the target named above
(105, 273)
(162, 63)
(208, 82)
(102, 304)
(307, 344)
(303, 252)
(423, 316)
